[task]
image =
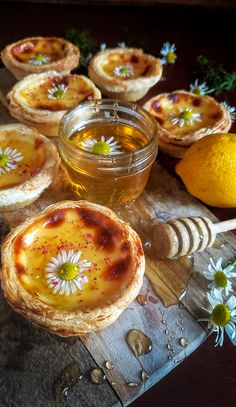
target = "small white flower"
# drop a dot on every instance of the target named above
(219, 276)
(8, 159)
(57, 92)
(40, 59)
(121, 44)
(185, 117)
(123, 71)
(64, 272)
(168, 53)
(103, 146)
(103, 46)
(222, 317)
(199, 88)
(231, 110)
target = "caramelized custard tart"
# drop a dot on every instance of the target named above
(124, 73)
(28, 163)
(73, 268)
(40, 54)
(185, 117)
(41, 100)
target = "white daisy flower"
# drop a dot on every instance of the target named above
(103, 46)
(8, 159)
(123, 71)
(103, 146)
(199, 88)
(231, 110)
(185, 117)
(64, 272)
(168, 53)
(219, 276)
(121, 44)
(222, 317)
(40, 59)
(57, 92)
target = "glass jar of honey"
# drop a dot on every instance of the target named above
(108, 148)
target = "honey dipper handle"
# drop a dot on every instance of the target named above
(224, 226)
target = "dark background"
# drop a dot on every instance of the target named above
(208, 377)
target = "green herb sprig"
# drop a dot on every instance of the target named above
(85, 42)
(216, 77)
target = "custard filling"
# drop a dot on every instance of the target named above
(20, 158)
(44, 51)
(125, 65)
(179, 113)
(56, 94)
(74, 259)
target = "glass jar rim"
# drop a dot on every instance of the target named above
(128, 107)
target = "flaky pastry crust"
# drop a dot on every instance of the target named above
(24, 193)
(73, 322)
(28, 105)
(147, 72)
(212, 117)
(15, 58)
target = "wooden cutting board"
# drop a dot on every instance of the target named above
(31, 359)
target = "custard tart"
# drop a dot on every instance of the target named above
(40, 54)
(40, 100)
(124, 73)
(28, 163)
(185, 117)
(72, 268)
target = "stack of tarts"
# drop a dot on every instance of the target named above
(184, 118)
(73, 268)
(28, 164)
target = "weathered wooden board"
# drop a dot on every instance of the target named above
(43, 355)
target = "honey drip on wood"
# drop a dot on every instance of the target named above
(169, 278)
(139, 343)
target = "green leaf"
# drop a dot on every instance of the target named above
(85, 42)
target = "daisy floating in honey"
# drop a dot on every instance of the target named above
(220, 276)
(230, 109)
(222, 317)
(64, 272)
(103, 146)
(40, 59)
(168, 52)
(57, 92)
(9, 159)
(185, 117)
(124, 71)
(199, 88)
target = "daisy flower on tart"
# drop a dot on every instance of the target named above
(185, 117)
(40, 54)
(41, 100)
(72, 268)
(124, 73)
(28, 163)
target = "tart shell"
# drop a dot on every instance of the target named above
(65, 64)
(46, 121)
(129, 90)
(69, 322)
(25, 193)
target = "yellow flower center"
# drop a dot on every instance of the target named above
(124, 70)
(220, 279)
(3, 160)
(39, 57)
(197, 90)
(185, 115)
(58, 94)
(101, 147)
(68, 271)
(220, 315)
(170, 57)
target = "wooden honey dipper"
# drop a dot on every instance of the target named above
(182, 236)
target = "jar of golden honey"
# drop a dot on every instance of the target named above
(108, 148)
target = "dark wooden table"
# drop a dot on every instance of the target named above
(208, 377)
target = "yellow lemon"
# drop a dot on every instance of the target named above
(208, 170)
